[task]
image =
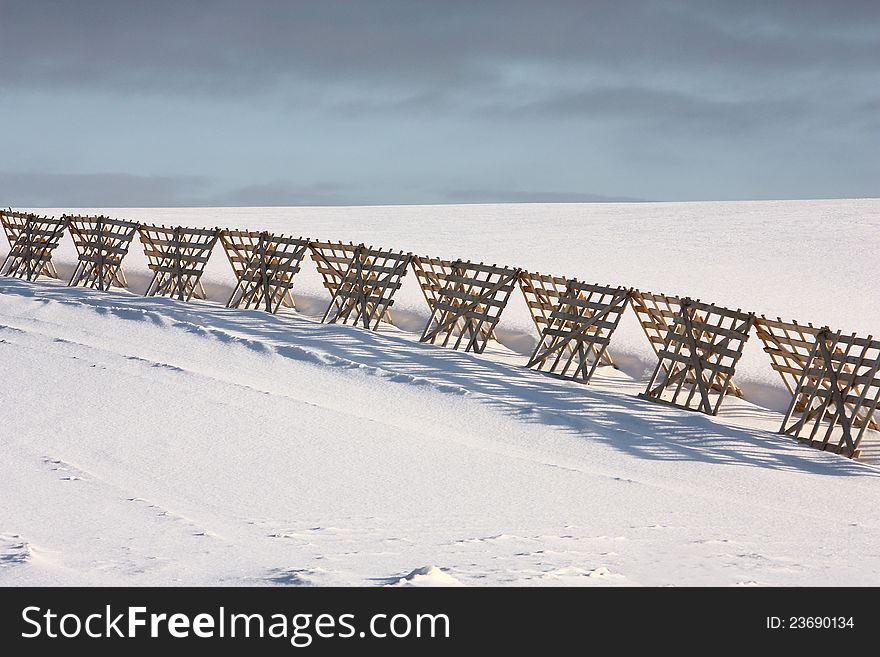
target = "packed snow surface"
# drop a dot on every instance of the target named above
(148, 441)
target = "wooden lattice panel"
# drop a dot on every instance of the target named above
(13, 224)
(578, 330)
(838, 392)
(656, 314)
(699, 356)
(12, 221)
(542, 293)
(469, 305)
(431, 274)
(264, 265)
(101, 243)
(364, 296)
(332, 260)
(789, 345)
(177, 257)
(34, 238)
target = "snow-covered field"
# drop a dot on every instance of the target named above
(146, 441)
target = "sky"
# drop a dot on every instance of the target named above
(114, 103)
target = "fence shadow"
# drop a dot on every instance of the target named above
(637, 427)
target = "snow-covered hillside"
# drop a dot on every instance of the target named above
(147, 441)
(812, 261)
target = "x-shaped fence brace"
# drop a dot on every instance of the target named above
(839, 387)
(656, 314)
(32, 239)
(431, 274)
(579, 329)
(13, 224)
(333, 260)
(177, 257)
(789, 345)
(469, 305)
(101, 244)
(264, 265)
(365, 293)
(699, 355)
(542, 294)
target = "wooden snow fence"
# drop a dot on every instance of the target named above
(101, 244)
(332, 260)
(699, 356)
(656, 314)
(364, 294)
(542, 294)
(32, 239)
(264, 265)
(468, 305)
(833, 378)
(578, 330)
(431, 273)
(789, 345)
(177, 257)
(14, 223)
(835, 384)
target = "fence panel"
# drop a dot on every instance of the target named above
(365, 293)
(32, 239)
(177, 257)
(264, 265)
(101, 244)
(578, 330)
(837, 394)
(469, 305)
(699, 356)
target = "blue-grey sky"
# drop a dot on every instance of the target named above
(114, 103)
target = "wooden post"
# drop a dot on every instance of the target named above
(100, 228)
(178, 270)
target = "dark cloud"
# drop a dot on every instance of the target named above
(229, 47)
(685, 63)
(410, 100)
